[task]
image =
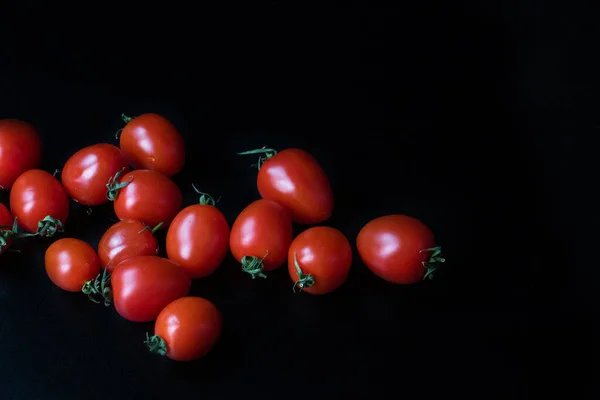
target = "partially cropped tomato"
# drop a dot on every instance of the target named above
(39, 202)
(319, 260)
(198, 239)
(20, 150)
(294, 179)
(399, 249)
(261, 236)
(186, 329)
(7, 228)
(147, 196)
(126, 238)
(143, 285)
(150, 141)
(87, 172)
(71, 263)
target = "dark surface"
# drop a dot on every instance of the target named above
(464, 116)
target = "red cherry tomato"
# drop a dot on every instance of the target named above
(39, 202)
(319, 260)
(20, 150)
(186, 329)
(150, 141)
(198, 238)
(7, 228)
(294, 179)
(126, 238)
(71, 264)
(147, 196)
(143, 285)
(261, 236)
(399, 249)
(87, 172)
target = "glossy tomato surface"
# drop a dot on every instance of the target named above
(6, 228)
(143, 285)
(35, 195)
(319, 260)
(87, 172)
(187, 329)
(70, 263)
(395, 247)
(149, 197)
(20, 150)
(126, 238)
(262, 233)
(150, 141)
(198, 239)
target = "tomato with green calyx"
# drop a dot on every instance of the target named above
(72, 264)
(20, 150)
(8, 228)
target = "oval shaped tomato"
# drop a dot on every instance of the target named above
(39, 202)
(399, 249)
(143, 285)
(261, 236)
(87, 172)
(151, 141)
(294, 179)
(147, 196)
(319, 260)
(126, 238)
(20, 150)
(71, 263)
(186, 329)
(7, 228)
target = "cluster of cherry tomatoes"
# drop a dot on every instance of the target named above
(126, 270)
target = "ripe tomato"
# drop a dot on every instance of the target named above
(399, 249)
(39, 202)
(261, 236)
(198, 238)
(71, 264)
(319, 260)
(147, 196)
(143, 285)
(20, 150)
(294, 179)
(126, 238)
(8, 228)
(186, 329)
(87, 172)
(150, 141)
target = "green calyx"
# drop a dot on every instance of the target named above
(156, 344)
(254, 266)
(205, 198)
(113, 186)
(48, 227)
(99, 288)
(434, 262)
(126, 118)
(304, 280)
(152, 230)
(264, 152)
(7, 233)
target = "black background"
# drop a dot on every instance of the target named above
(475, 117)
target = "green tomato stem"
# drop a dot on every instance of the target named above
(99, 287)
(304, 280)
(114, 186)
(126, 118)
(264, 152)
(205, 198)
(254, 266)
(434, 262)
(156, 344)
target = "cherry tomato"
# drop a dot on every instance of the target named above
(186, 329)
(39, 202)
(399, 249)
(71, 264)
(198, 238)
(319, 260)
(147, 196)
(20, 150)
(87, 172)
(126, 238)
(150, 141)
(294, 179)
(261, 236)
(7, 228)
(143, 285)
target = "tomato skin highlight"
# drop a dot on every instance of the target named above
(35, 195)
(143, 285)
(262, 230)
(70, 263)
(323, 253)
(20, 150)
(150, 141)
(198, 239)
(190, 328)
(125, 239)
(392, 247)
(150, 197)
(7, 220)
(87, 172)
